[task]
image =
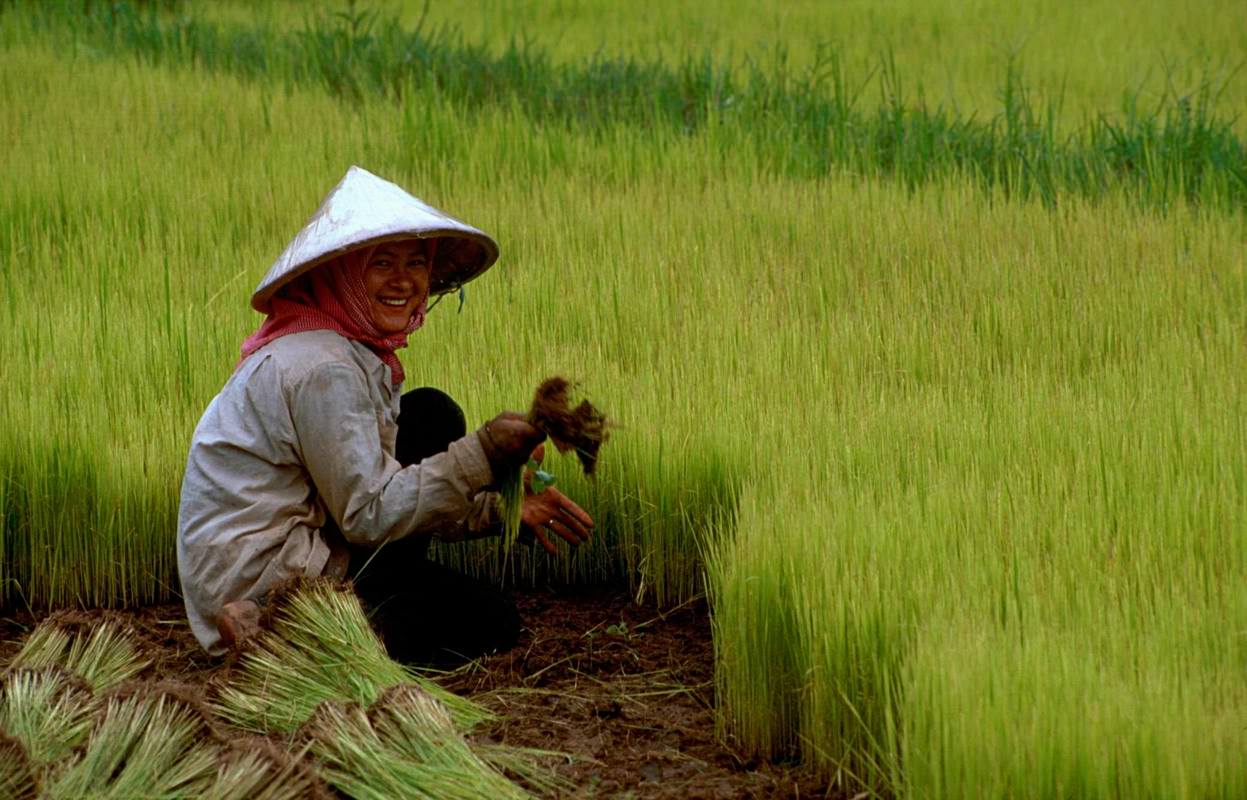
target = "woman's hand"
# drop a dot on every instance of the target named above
(508, 441)
(552, 510)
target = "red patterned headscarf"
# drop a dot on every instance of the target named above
(332, 297)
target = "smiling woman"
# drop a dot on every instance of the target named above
(309, 461)
(397, 282)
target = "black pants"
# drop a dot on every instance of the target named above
(427, 614)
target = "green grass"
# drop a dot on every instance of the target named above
(966, 469)
(1180, 144)
(954, 53)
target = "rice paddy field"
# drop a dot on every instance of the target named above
(923, 325)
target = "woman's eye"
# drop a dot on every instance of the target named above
(383, 263)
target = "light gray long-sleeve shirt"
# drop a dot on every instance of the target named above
(306, 427)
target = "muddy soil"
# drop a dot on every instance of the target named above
(625, 690)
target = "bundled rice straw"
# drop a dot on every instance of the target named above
(256, 769)
(48, 711)
(144, 745)
(406, 745)
(320, 647)
(582, 429)
(102, 655)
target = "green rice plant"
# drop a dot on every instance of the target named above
(1124, 733)
(142, 746)
(17, 779)
(102, 657)
(405, 745)
(1181, 149)
(46, 710)
(320, 647)
(511, 507)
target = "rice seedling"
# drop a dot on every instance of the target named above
(951, 55)
(1182, 150)
(404, 745)
(320, 647)
(47, 711)
(143, 746)
(580, 431)
(102, 656)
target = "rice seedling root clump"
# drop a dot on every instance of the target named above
(581, 430)
(254, 767)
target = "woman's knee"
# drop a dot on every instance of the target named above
(428, 421)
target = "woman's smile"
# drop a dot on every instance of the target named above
(396, 280)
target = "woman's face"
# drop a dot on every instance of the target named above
(396, 280)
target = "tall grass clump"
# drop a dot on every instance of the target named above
(999, 531)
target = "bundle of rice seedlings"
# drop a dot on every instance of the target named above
(17, 779)
(406, 745)
(581, 430)
(48, 711)
(417, 725)
(320, 647)
(151, 744)
(257, 769)
(103, 655)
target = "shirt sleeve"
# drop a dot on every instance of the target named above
(483, 520)
(372, 498)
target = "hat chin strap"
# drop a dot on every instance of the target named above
(463, 296)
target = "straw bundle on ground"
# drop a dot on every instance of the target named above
(102, 655)
(405, 745)
(60, 738)
(256, 769)
(48, 711)
(376, 728)
(320, 647)
(144, 745)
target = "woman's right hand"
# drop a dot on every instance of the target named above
(508, 441)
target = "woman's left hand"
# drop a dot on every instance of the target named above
(554, 511)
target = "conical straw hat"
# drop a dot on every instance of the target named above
(365, 210)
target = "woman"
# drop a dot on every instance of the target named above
(309, 462)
